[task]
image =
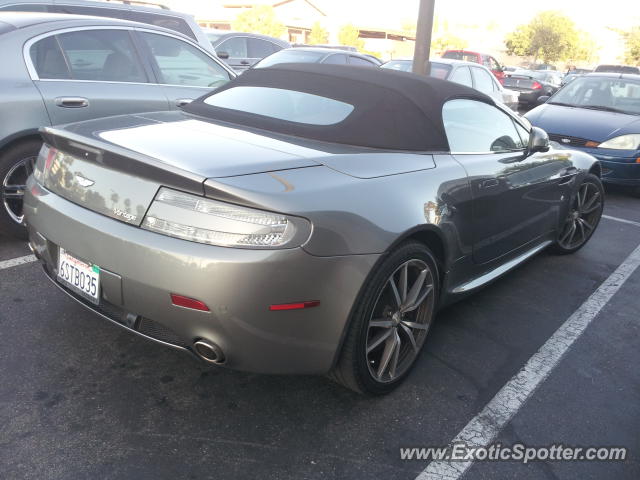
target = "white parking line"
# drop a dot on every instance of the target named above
(622, 220)
(17, 261)
(484, 428)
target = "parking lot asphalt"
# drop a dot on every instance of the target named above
(81, 398)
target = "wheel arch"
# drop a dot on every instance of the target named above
(429, 235)
(19, 137)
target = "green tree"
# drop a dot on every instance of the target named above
(550, 36)
(350, 36)
(447, 41)
(318, 34)
(632, 46)
(259, 19)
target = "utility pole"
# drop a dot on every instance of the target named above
(423, 37)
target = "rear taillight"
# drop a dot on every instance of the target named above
(536, 86)
(45, 159)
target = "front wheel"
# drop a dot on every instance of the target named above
(390, 322)
(583, 218)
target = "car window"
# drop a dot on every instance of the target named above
(260, 48)
(483, 81)
(494, 64)
(182, 64)
(336, 59)
(353, 60)
(291, 55)
(289, 105)
(462, 76)
(102, 55)
(476, 127)
(524, 134)
(48, 60)
(236, 47)
(402, 65)
(466, 56)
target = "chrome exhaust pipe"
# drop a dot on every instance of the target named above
(208, 351)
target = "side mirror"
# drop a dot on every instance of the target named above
(542, 99)
(223, 55)
(538, 141)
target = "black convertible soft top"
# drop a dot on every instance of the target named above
(392, 110)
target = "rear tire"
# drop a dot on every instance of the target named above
(584, 216)
(16, 164)
(385, 336)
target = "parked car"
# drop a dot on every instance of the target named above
(243, 50)
(571, 75)
(66, 68)
(465, 73)
(532, 85)
(136, 11)
(617, 69)
(317, 55)
(306, 228)
(542, 66)
(346, 48)
(598, 113)
(475, 57)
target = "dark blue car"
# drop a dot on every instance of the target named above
(600, 114)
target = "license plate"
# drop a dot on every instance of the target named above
(83, 278)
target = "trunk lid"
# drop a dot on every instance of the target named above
(115, 166)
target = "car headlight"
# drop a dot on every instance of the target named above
(623, 142)
(203, 220)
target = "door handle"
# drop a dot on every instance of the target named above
(72, 102)
(492, 182)
(181, 102)
(244, 62)
(566, 179)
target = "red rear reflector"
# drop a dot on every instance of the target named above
(536, 86)
(295, 306)
(187, 302)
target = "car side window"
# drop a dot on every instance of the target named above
(483, 80)
(462, 76)
(336, 59)
(102, 56)
(48, 60)
(524, 134)
(260, 48)
(476, 127)
(182, 64)
(353, 60)
(236, 47)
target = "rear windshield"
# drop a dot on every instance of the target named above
(440, 70)
(291, 56)
(289, 105)
(466, 56)
(401, 65)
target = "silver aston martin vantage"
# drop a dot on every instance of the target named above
(303, 218)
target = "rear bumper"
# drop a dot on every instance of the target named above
(140, 269)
